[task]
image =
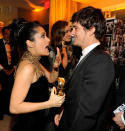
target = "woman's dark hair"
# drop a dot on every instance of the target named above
(24, 31)
(27, 32)
(91, 17)
(58, 32)
(15, 26)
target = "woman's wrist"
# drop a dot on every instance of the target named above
(49, 104)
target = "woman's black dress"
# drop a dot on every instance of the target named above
(38, 120)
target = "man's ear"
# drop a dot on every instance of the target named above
(29, 43)
(92, 31)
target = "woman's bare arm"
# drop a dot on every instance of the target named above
(25, 75)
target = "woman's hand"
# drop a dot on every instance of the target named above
(54, 100)
(58, 59)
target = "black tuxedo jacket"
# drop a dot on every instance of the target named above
(88, 94)
(121, 91)
(3, 56)
(4, 78)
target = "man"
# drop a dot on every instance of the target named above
(6, 69)
(90, 86)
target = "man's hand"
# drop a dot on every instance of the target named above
(118, 120)
(57, 118)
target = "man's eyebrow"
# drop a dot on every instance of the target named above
(72, 26)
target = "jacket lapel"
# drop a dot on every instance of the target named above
(83, 60)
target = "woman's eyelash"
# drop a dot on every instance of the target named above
(43, 36)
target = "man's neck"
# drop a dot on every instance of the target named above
(88, 43)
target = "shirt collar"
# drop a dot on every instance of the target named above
(5, 42)
(89, 48)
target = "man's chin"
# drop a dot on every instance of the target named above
(75, 43)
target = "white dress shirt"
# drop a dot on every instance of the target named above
(87, 50)
(122, 117)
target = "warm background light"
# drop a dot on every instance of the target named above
(114, 7)
(35, 7)
(61, 10)
(105, 4)
(37, 10)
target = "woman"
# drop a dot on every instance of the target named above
(61, 37)
(30, 95)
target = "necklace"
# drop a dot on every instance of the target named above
(35, 61)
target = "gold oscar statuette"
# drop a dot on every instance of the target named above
(60, 86)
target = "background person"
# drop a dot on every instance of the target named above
(7, 68)
(61, 37)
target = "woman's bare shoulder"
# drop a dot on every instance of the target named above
(25, 67)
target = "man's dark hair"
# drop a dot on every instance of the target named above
(4, 28)
(91, 17)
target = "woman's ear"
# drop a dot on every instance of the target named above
(29, 43)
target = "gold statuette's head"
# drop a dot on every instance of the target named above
(60, 86)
